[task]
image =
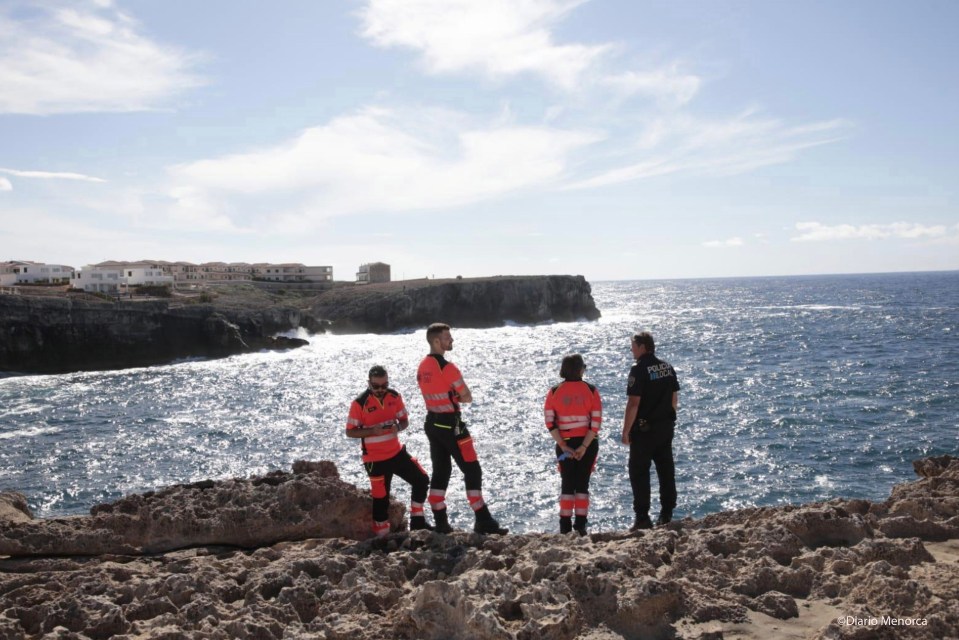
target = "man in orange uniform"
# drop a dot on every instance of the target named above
(443, 390)
(377, 415)
(574, 412)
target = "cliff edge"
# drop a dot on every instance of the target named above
(58, 334)
(466, 302)
(62, 334)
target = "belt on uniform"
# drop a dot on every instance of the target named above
(643, 425)
(432, 417)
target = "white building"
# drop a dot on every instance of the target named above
(96, 279)
(27, 272)
(118, 277)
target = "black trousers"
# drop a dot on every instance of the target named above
(654, 445)
(575, 473)
(450, 441)
(381, 477)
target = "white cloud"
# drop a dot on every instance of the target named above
(502, 39)
(5, 185)
(729, 242)
(84, 57)
(374, 160)
(499, 38)
(667, 85)
(682, 142)
(818, 232)
(51, 175)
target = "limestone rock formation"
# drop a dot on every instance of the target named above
(14, 508)
(472, 302)
(312, 502)
(825, 570)
(62, 334)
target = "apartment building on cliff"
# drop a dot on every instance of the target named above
(26, 272)
(117, 277)
(100, 277)
(292, 272)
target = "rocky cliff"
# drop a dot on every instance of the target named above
(470, 302)
(848, 569)
(59, 334)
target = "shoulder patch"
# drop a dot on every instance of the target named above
(632, 381)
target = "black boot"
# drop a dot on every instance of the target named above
(486, 523)
(442, 522)
(642, 522)
(580, 525)
(418, 523)
(565, 524)
(665, 517)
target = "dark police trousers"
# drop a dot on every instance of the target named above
(654, 445)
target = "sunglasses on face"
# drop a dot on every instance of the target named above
(379, 387)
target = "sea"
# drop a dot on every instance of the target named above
(793, 389)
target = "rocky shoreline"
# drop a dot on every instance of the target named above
(465, 303)
(284, 556)
(60, 334)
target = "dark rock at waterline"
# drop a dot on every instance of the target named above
(470, 302)
(58, 334)
(62, 334)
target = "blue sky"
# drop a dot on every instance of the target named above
(616, 139)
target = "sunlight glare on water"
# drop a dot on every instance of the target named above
(793, 389)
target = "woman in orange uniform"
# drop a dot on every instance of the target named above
(574, 412)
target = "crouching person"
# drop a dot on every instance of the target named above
(376, 417)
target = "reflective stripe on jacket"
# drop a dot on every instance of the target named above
(574, 408)
(438, 380)
(368, 411)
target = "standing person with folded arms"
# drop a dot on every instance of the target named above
(574, 412)
(648, 427)
(444, 390)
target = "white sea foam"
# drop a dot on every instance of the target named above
(29, 432)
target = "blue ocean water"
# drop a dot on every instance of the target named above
(793, 390)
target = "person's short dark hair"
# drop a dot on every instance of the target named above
(435, 329)
(377, 371)
(572, 367)
(645, 338)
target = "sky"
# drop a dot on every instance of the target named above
(615, 139)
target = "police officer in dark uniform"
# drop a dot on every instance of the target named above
(652, 398)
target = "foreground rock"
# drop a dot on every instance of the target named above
(808, 571)
(311, 502)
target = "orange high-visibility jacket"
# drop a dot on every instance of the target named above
(439, 382)
(574, 408)
(369, 411)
